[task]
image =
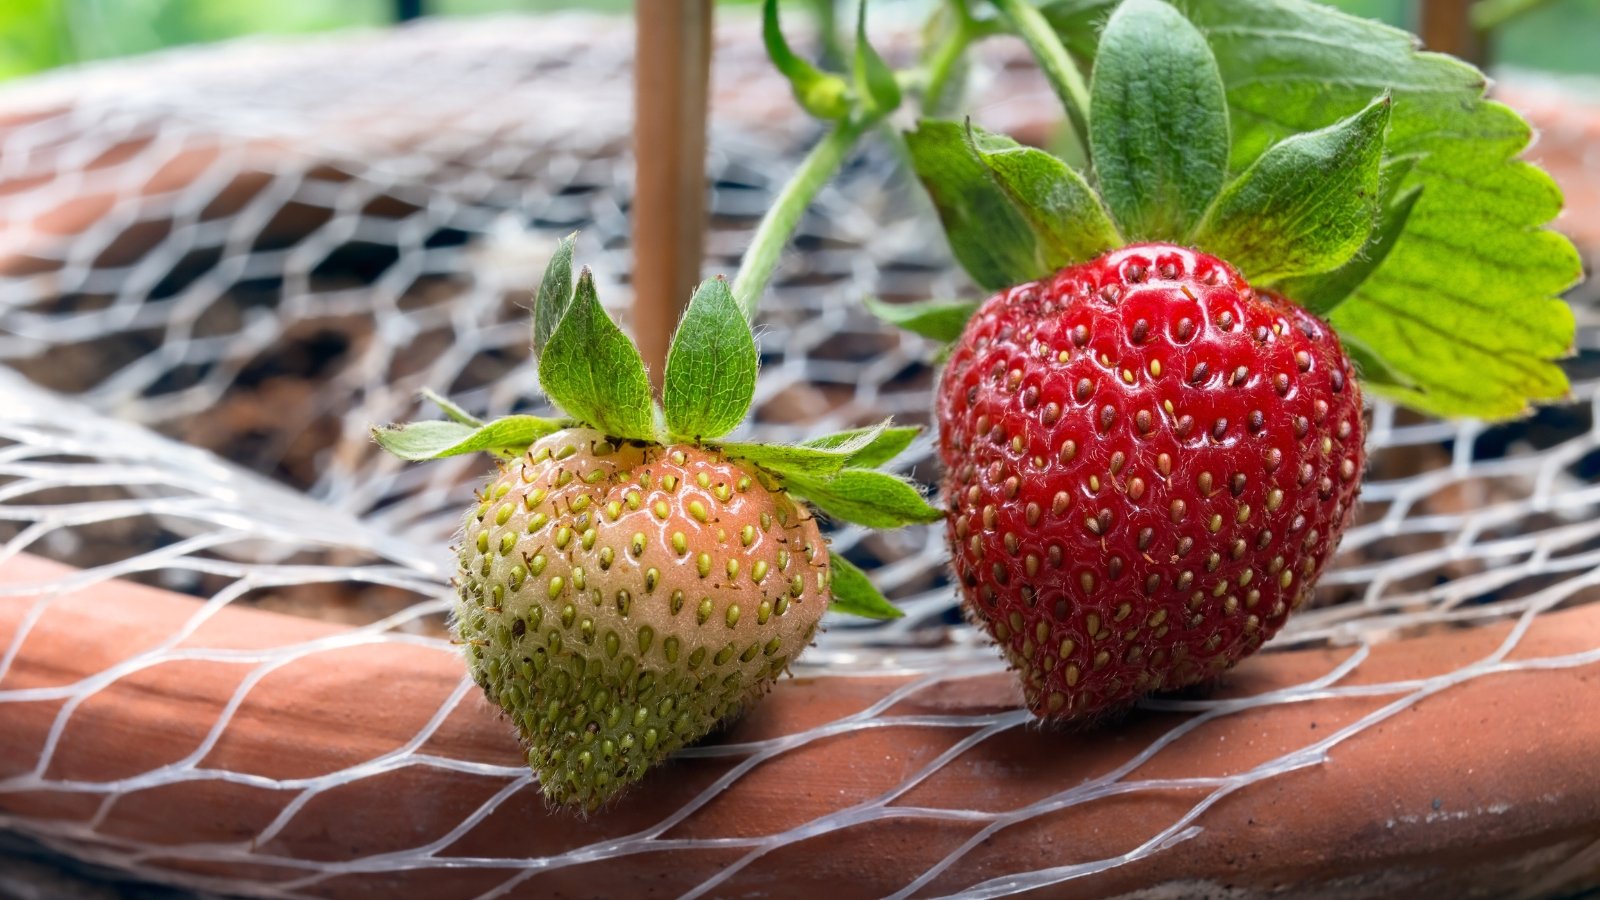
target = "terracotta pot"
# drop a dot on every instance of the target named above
(1476, 781)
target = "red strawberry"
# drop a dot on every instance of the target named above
(1147, 465)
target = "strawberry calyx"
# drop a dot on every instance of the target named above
(1370, 188)
(593, 372)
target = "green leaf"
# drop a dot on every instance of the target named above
(1011, 213)
(437, 439)
(866, 497)
(1060, 207)
(888, 443)
(990, 239)
(555, 294)
(875, 81)
(801, 459)
(854, 593)
(1373, 371)
(1158, 121)
(941, 320)
(1323, 293)
(819, 93)
(1306, 205)
(1466, 304)
(451, 410)
(711, 367)
(591, 370)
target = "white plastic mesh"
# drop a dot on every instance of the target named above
(220, 267)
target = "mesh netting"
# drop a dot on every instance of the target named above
(218, 268)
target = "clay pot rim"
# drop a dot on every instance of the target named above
(473, 744)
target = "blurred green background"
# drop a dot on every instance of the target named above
(1554, 35)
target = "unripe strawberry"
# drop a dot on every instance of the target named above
(618, 599)
(1147, 463)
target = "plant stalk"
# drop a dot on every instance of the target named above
(778, 225)
(1059, 69)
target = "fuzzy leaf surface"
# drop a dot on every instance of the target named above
(1158, 121)
(593, 372)
(1306, 205)
(889, 443)
(803, 459)
(1011, 213)
(854, 593)
(1465, 305)
(1323, 293)
(711, 367)
(1058, 205)
(988, 236)
(437, 439)
(554, 295)
(866, 497)
(941, 320)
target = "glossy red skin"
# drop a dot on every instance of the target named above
(1111, 572)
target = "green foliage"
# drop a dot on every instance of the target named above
(438, 439)
(1064, 212)
(1464, 303)
(882, 444)
(1322, 293)
(866, 497)
(1011, 214)
(33, 36)
(554, 294)
(1158, 121)
(591, 370)
(1306, 205)
(941, 320)
(813, 460)
(822, 94)
(875, 81)
(853, 592)
(711, 367)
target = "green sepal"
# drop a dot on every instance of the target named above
(1011, 213)
(888, 443)
(437, 439)
(1057, 203)
(990, 239)
(554, 295)
(803, 460)
(1323, 293)
(853, 592)
(1467, 304)
(940, 320)
(875, 81)
(819, 93)
(1306, 205)
(1158, 121)
(866, 497)
(451, 410)
(593, 372)
(711, 366)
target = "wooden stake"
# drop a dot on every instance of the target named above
(672, 68)
(1446, 26)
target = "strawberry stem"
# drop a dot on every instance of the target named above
(1030, 25)
(942, 61)
(761, 259)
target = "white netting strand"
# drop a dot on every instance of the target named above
(218, 268)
